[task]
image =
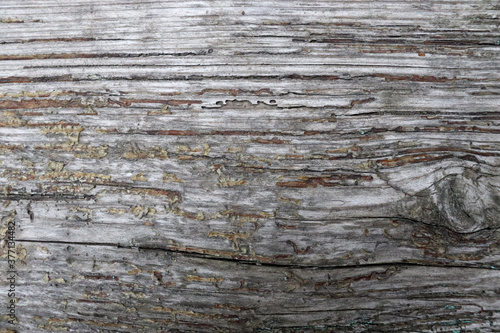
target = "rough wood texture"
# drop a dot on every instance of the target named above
(275, 166)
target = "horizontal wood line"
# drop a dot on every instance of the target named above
(300, 133)
(395, 40)
(35, 56)
(369, 14)
(208, 78)
(260, 4)
(399, 218)
(349, 30)
(276, 65)
(266, 3)
(403, 263)
(233, 11)
(200, 77)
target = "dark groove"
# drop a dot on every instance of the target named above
(403, 263)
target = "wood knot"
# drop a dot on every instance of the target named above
(463, 203)
(468, 202)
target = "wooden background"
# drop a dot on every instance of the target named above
(251, 166)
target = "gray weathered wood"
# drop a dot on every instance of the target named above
(251, 166)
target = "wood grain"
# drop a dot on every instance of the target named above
(225, 166)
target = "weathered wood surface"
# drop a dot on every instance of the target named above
(256, 166)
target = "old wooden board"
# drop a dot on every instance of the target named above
(250, 166)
